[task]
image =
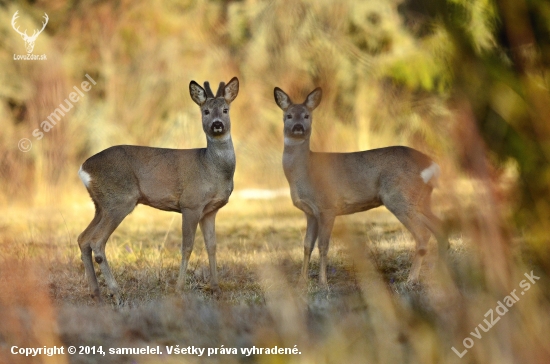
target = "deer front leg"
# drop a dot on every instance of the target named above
(325, 230)
(190, 220)
(309, 242)
(208, 228)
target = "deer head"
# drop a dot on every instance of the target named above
(29, 41)
(215, 108)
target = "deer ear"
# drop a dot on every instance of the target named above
(313, 99)
(231, 90)
(281, 98)
(198, 94)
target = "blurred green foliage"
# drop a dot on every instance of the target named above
(501, 72)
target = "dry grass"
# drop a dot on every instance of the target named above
(145, 256)
(368, 314)
(259, 252)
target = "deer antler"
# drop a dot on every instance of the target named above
(24, 34)
(209, 93)
(221, 90)
(13, 19)
(35, 34)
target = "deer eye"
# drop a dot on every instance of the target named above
(289, 116)
(225, 111)
(206, 112)
(306, 117)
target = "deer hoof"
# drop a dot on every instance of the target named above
(96, 296)
(216, 291)
(116, 298)
(413, 281)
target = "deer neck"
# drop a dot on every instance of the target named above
(221, 154)
(296, 156)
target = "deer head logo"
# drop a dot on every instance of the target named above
(29, 40)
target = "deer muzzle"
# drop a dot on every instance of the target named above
(298, 129)
(217, 128)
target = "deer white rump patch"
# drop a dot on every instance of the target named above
(431, 172)
(85, 177)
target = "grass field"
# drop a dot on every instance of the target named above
(145, 250)
(259, 258)
(368, 314)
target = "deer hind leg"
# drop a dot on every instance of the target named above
(105, 227)
(86, 256)
(414, 221)
(208, 228)
(434, 224)
(421, 236)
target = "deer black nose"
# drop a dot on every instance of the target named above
(217, 127)
(298, 129)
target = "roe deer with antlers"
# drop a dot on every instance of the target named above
(193, 182)
(29, 40)
(326, 185)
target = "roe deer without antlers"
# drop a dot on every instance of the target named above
(193, 182)
(326, 185)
